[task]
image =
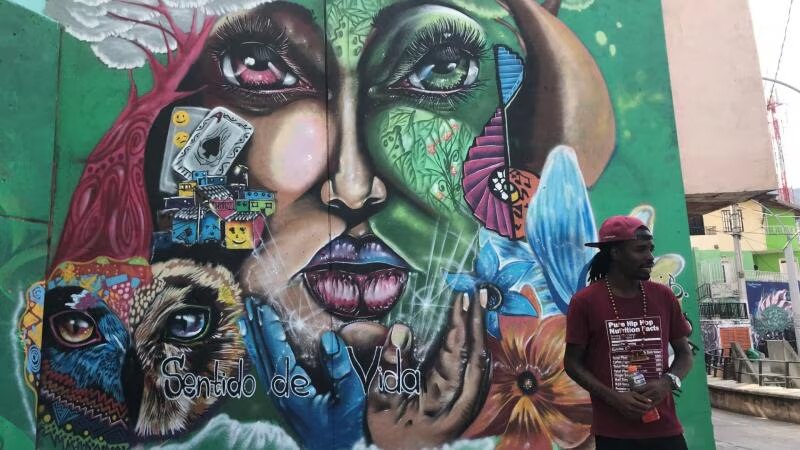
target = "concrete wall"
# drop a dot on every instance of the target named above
(769, 403)
(724, 142)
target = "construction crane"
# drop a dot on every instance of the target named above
(784, 193)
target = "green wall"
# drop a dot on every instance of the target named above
(781, 217)
(714, 257)
(29, 51)
(770, 262)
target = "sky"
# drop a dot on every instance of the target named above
(769, 21)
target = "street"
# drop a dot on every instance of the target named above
(739, 432)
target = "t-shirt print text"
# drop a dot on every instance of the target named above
(626, 336)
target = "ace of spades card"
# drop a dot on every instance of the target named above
(185, 119)
(214, 144)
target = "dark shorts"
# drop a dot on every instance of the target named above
(661, 443)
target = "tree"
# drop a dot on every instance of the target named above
(109, 214)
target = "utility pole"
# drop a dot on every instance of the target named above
(733, 225)
(794, 290)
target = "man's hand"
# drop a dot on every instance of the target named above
(656, 390)
(631, 404)
(454, 382)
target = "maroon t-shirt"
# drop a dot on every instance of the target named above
(610, 344)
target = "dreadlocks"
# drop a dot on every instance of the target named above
(600, 264)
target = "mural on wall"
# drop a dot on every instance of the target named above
(770, 312)
(710, 332)
(327, 224)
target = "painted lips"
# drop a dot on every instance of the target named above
(356, 278)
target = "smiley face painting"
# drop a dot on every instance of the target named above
(238, 235)
(388, 197)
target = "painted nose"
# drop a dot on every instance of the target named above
(353, 190)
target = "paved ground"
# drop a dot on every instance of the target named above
(738, 432)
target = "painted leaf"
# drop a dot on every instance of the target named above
(559, 222)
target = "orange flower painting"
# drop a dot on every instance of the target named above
(532, 402)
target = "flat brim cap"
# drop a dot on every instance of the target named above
(617, 229)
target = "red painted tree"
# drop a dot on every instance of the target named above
(109, 213)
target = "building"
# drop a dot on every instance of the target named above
(724, 142)
(730, 306)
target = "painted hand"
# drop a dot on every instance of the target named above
(333, 420)
(454, 384)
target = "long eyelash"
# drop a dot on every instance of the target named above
(247, 28)
(444, 102)
(442, 32)
(276, 97)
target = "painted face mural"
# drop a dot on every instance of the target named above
(328, 224)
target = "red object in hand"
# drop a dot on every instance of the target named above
(650, 416)
(635, 379)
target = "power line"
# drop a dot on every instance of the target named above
(774, 214)
(783, 42)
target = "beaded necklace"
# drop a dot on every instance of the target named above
(638, 355)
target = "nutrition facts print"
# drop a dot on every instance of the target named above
(629, 336)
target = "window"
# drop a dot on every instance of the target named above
(696, 225)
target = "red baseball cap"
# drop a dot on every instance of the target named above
(616, 229)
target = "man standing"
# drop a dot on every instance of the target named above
(623, 320)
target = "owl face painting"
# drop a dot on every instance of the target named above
(84, 393)
(105, 381)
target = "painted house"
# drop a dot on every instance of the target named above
(186, 188)
(211, 192)
(243, 230)
(196, 225)
(211, 181)
(258, 195)
(179, 202)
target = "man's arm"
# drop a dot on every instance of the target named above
(629, 404)
(683, 357)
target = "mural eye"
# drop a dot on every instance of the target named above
(444, 68)
(188, 324)
(256, 66)
(74, 328)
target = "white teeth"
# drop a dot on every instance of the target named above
(348, 293)
(381, 291)
(338, 292)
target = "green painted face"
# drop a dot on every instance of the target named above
(364, 112)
